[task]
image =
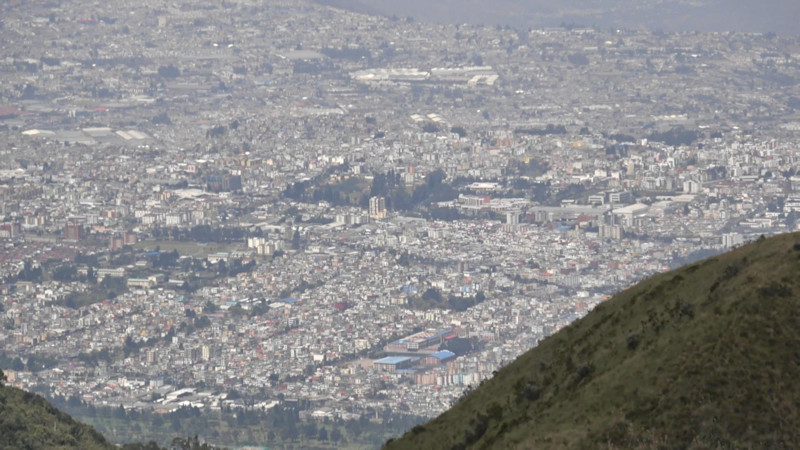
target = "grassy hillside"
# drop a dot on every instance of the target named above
(705, 356)
(27, 421)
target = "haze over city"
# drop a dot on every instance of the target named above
(318, 223)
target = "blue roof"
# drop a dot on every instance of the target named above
(392, 360)
(444, 354)
(288, 300)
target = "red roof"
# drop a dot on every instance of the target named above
(10, 112)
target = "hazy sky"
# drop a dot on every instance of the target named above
(780, 16)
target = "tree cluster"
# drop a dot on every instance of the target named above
(549, 129)
(675, 136)
(432, 299)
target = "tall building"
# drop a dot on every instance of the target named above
(10, 230)
(73, 232)
(130, 238)
(207, 352)
(730, 240)
(610, 232)
(512, 217)
(377, 208)
(223, 183)
(116, 242)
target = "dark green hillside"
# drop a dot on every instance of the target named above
(27, 421)
(706, 356)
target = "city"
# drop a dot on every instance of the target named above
(287, 201)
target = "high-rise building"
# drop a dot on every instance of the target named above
(116, 242)
(512, 217)
(223, 183)
(130, 238)
(610, 232)
(207, 352)
(10, 230)
(73, 232)
(730, 240)
(377, 208)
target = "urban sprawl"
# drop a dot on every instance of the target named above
(295, 202)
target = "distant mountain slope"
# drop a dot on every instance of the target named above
(763, 16)
(28, 421)
(705, 356)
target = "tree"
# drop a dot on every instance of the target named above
(176, 424)
(64, 273)
(119, 413)
(169, 71)
(3, 378)
(432, 295)
(379, 185)
(430, 127)
(578, 59)
(162, 118)
(289, 432)
(158, 421)
(296, 240)
(459, 346)
(310, 430)
(29, 92)
(233, 394)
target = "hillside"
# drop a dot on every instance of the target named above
(28, 421)
(705, 356)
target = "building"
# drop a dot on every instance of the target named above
(512, 217)
(130, 238)
(107, 272)
(597, 199)
(145, 283)
(438, 358)
(422, 341)
(627, 214)
(116, 242)
(610, 232)
(10, 230)
(223, 183)
(621, 197)
(377, 208)
(394, 363)
(730, 240)
(73, 232)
